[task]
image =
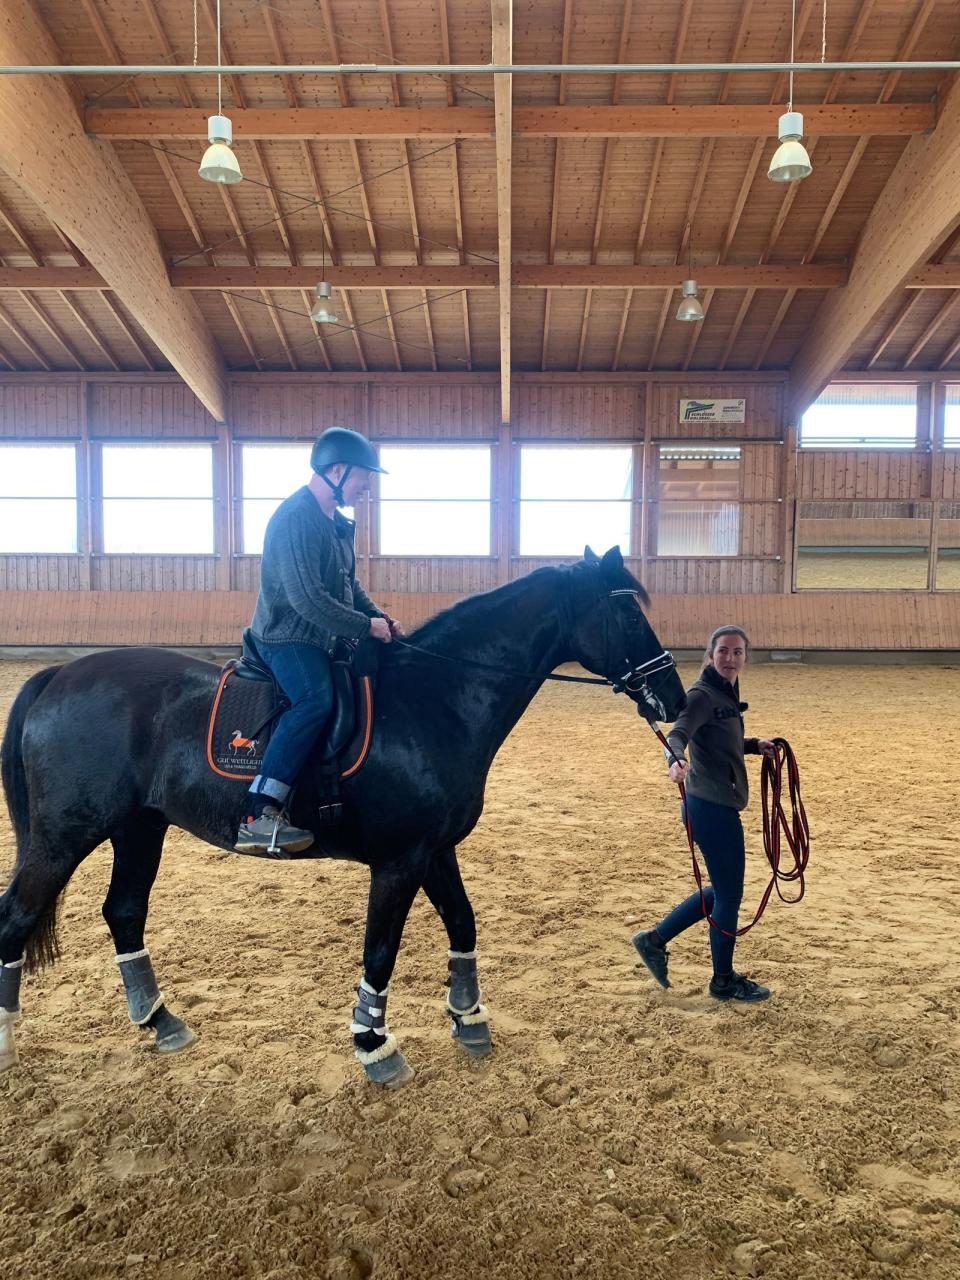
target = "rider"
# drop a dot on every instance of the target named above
(309, 600)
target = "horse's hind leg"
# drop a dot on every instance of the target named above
(28, 929)
(444, 887)
(137, 847)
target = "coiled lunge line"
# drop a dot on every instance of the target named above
(776, 825)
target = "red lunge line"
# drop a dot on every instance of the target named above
(776, 825)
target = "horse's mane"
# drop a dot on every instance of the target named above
(453, 618)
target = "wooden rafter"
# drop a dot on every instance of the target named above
(952, 353)
(565, 29)
(682, 29)
(455, 181)
(82, 187)
(944, 313)
(893, 329)
(502, 22)
(265, 124)
(917, 209)
(25, 340)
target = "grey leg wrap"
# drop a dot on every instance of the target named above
(10, 973)
(144, 997)
(385, 1064)
(471, 1022)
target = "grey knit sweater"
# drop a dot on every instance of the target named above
(309, 593)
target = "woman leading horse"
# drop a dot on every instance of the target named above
(111, 747)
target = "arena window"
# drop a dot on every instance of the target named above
(268, 474)
(572, 495)
(951, 417)
(697, 507)
(157, 499)
(38, 498)
(869, 415)
(434, 500)
(863, 545)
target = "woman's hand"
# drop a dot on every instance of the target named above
(766, 748)
(678, 771)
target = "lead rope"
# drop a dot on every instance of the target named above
(796, 830)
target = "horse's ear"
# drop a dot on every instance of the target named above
(612, 561)
(590, 556)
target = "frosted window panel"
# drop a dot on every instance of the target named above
(951, 423)
(850, 415)
(592, 472)
(256, 515)
(38, 524)
(158, 471)
(565, 528)
(698, 529)
(441, 472)
(145, 526)
(435, 529)
(275, 470)
(41, 471)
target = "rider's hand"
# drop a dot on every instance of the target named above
(396, 628)
(678, 771)
(766, 747)
(380, 630)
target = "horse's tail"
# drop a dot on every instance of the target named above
(42, 947)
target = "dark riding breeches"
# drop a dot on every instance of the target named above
(303, 673)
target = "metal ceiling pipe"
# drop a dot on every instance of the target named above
(479, 69)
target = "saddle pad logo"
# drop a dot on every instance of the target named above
(243, 716)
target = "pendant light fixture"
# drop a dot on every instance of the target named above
(219, 164)
(690, 308)
(790, 161)
(321, 294)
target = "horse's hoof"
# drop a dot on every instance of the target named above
(393, 1072)
(173, 1034)
(472, 1033)
(8, 1045)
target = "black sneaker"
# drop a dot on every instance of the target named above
(654, 955)
(271, 836)
(737, 987)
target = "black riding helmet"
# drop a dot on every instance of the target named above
(340, 444)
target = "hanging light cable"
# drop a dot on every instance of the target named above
(690, 308)
(322, 293)
(219, 164)
(790, 161)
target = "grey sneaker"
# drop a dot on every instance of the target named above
(272, 836)
(737, 987)
(654, 955)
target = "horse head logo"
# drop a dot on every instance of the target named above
(239, 743)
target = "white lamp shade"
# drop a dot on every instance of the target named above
(690, 308)
(790, 162)
(219, 164)
(320, 315)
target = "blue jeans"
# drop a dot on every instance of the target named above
(303, 673)
(718, 831)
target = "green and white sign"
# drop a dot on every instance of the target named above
(713, 410)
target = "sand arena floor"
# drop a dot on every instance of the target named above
(617, 1131)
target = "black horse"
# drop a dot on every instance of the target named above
(110, 746)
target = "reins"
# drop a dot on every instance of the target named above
(502, 671)
(795, 830)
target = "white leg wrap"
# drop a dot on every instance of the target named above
(8, 1046)
(388, 1047)
(462, 955)
(480, 1015)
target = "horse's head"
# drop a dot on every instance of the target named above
(610, 635)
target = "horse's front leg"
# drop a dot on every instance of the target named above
(393, 888)
(444, 887)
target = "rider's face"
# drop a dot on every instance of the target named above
(356, 483)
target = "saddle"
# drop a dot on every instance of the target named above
(248, 703)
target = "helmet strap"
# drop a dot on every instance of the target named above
(337, 488)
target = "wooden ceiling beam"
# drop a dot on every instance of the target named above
(917, 209)
(525, 276)
(501, 12)
(710, 120)
(946, 310)
(81, 185)
(566, 26)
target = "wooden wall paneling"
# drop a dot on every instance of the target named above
(148, 409)
(936, 408)
(295, 409)
(578, 411)
(788, 514)
(223, 522)
(41, 410)
(37, 573)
